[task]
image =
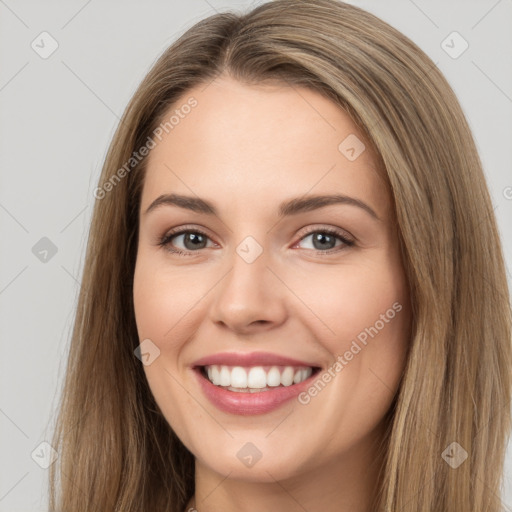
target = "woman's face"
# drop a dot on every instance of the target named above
(260, 276)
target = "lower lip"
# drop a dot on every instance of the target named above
(247, 403)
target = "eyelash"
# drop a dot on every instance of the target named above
(166, 239)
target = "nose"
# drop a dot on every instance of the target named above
(250, 297)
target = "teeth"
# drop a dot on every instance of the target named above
(225, 376)
(274, 377)
(287, 376)
(238, 378)
(256, 378)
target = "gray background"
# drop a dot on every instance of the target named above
(57, 117)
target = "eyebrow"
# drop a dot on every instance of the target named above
(287, 208)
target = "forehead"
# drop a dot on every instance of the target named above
(253, 143)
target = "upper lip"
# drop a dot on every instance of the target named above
(250, 359)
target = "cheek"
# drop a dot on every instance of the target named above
(368, 318)
(168, 308)
(366, 311)
(165, 300)
(163, 304)
(357, 301)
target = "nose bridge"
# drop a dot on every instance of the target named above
(248, 294)
(250, 250)
(248, 269)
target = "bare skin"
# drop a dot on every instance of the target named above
(246, 149)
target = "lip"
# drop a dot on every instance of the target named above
(250, 359)
(247, 403)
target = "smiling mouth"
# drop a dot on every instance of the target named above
(256, 379)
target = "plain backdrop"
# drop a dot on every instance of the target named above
(58, 115)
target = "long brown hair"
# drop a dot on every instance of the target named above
(116, 450)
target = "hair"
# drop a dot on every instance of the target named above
(116, 450)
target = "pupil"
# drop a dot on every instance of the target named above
(195, 238)
(320, 237)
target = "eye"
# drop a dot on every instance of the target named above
(192, 239)
(324, 240)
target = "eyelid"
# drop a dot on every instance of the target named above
(302, 233)
(346, 238)
(314, 228)
(186, 228)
